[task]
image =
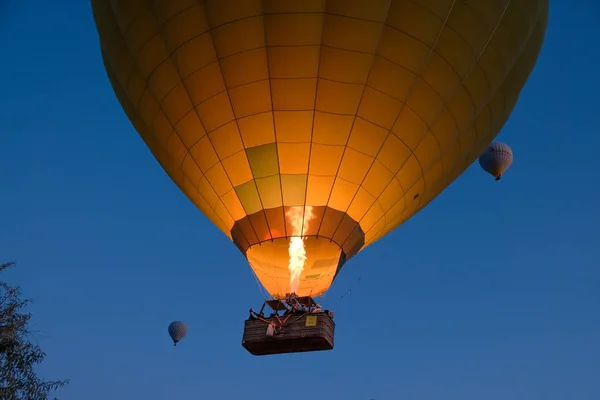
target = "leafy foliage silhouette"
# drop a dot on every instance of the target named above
(18, 355)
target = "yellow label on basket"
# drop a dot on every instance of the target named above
(311, 320)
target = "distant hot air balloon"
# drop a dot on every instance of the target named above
(496, 159)
(177, 331)
(307, 130)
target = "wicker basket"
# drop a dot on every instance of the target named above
(298, 333)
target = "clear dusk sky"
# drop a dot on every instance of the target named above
(491, 292)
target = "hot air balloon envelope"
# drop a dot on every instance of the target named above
(496, 159)
(177, 330)
(307, 130)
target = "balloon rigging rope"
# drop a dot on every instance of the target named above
(324, 297)
(262, 290)
(348, 292)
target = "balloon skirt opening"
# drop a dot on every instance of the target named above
(308, 332)
(270, 263)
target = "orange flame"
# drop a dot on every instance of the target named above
(299, 218)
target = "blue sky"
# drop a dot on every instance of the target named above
(491, 292)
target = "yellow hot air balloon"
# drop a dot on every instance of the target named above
(306, 130)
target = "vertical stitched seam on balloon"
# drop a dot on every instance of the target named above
(312, 131)
(212, 38)
(374, 54)
(264, 22)
(492, 95)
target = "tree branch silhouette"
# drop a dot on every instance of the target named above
(18, 355)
